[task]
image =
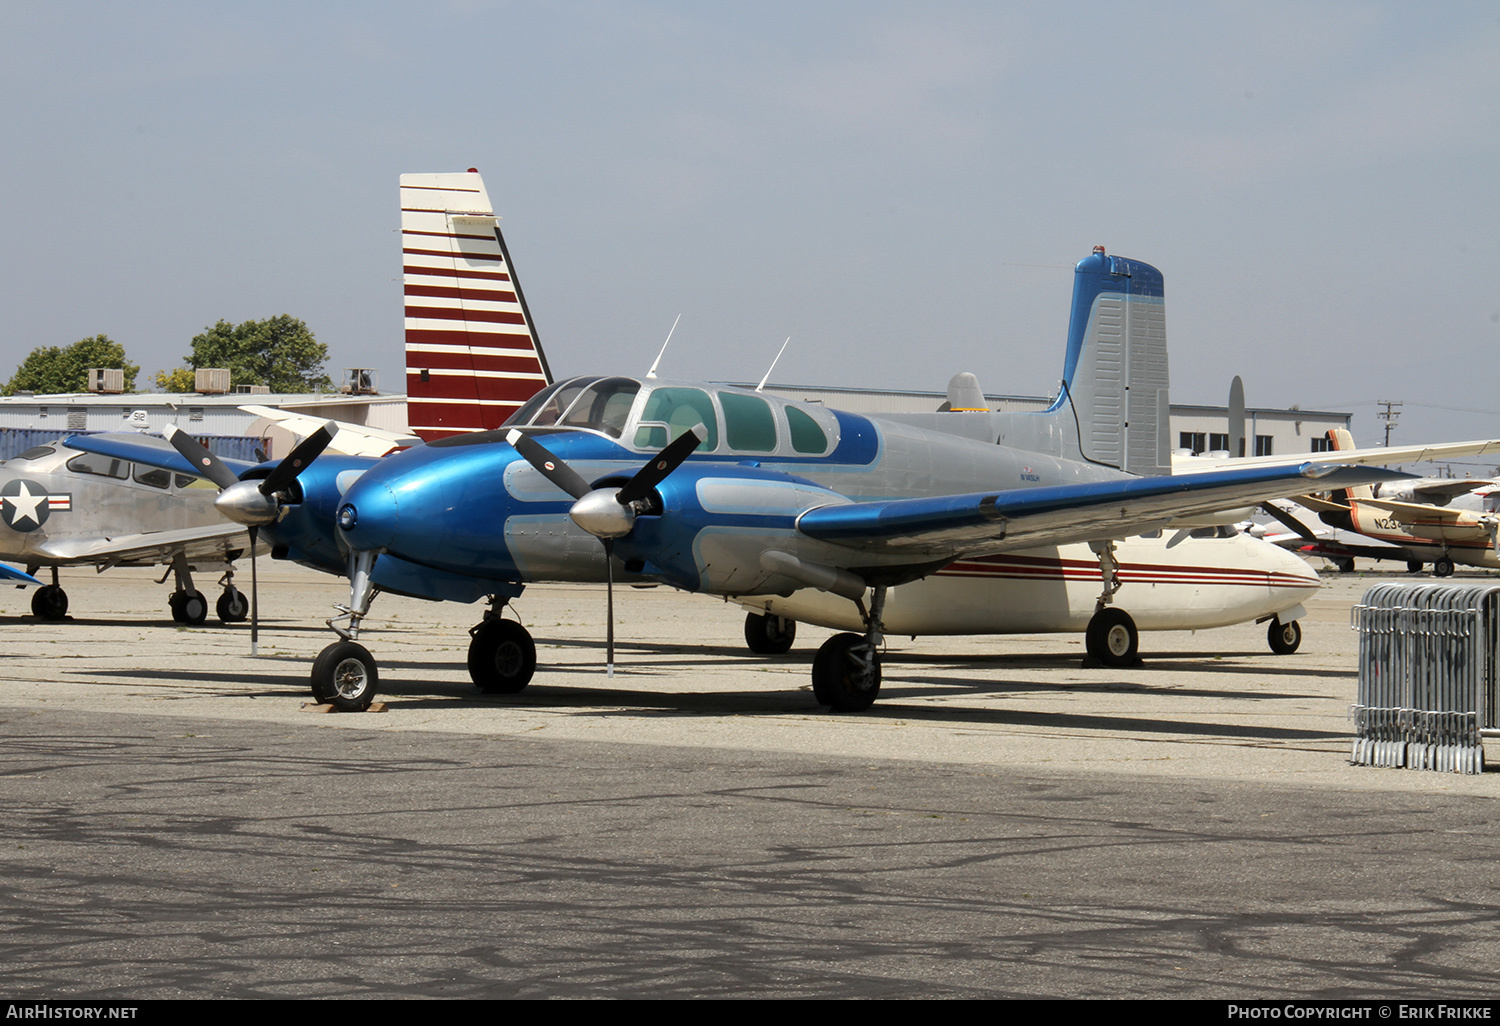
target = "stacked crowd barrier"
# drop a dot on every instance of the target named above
(1426, 675)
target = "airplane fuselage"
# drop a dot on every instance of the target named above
(59, 506)
(470, 505)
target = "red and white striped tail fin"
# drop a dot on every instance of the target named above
(472, 355)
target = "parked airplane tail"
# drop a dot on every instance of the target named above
(472, 354)
(1112, 407)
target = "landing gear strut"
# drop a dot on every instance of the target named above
(187, 604)
(846, 670)
(344, 674)
(1111, 637)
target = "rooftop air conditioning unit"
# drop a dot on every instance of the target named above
(211, 380)
(106, 379)
(252, 389)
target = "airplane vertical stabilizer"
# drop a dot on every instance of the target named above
(472, 355)
(1112, 408)
(1115, 367)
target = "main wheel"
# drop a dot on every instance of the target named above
(1442, 567)
(189, 608)
(1345, 565)
(846, 674)
(1413, 566)
(502, 657)
(1285, 638)
(233, 607)
(1112, 638)
(49, 602)
(344, 676)
(768, 634)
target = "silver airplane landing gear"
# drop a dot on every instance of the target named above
(344, 674)
(233, 606)
(846, 670)
(49, 602)
(187, 604)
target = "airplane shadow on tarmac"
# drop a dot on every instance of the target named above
(409, 684)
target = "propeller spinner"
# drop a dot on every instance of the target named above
(607, 513)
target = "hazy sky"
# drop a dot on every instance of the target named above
(903, 188)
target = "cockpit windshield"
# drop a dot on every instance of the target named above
(598, 404)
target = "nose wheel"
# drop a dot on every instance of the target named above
(232, 607)
(344, 676)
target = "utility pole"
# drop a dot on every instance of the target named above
(1390, 415)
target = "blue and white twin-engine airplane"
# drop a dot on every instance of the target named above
(731, 492)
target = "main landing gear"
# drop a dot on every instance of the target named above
(49, 602)
(846, 670)
(768, 634)
(189, 606)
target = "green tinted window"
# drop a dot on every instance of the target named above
(806, 435)
(749, 425)
(671, 411)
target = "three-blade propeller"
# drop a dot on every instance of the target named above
(608, 513)
(253, 502)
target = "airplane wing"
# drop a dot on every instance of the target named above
(1380, 456)
(1453, 525)
(148, 547)
(351, 440)
(1023, 518)
(148, 449)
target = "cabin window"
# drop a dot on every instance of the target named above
(749, 425)
(36, 452)
(153, 476)
(671, 411)
(104, 466)
(806, 435)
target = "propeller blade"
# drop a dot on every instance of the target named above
(1277, 513)
(297, 460)
(548, 465)
(662, 464)
(198, 455)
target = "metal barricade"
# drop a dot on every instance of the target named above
(1426, 675)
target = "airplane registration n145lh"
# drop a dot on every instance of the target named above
(729, 492)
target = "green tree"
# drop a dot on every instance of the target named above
(178, 379)
(280, 353)
(65, 368)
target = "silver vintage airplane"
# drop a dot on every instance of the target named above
(60, 506)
